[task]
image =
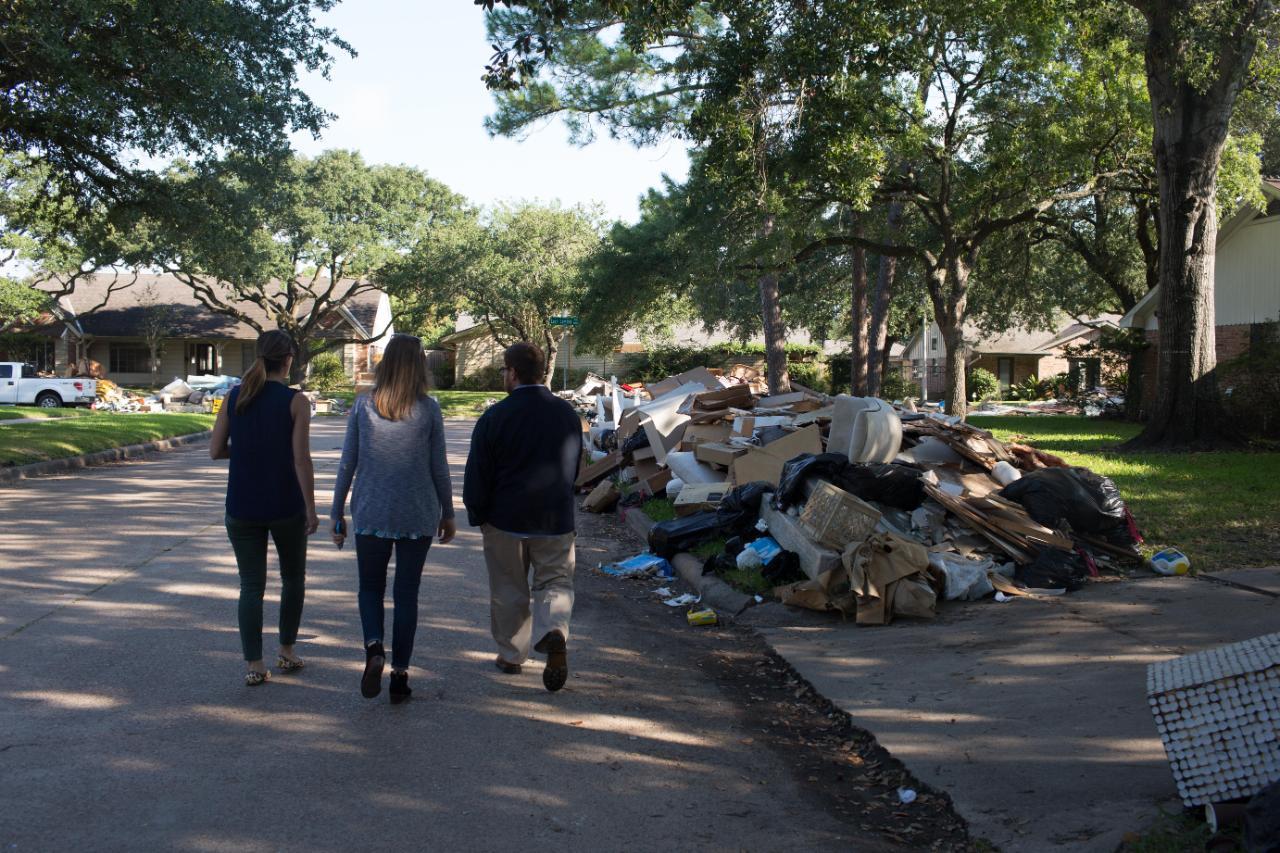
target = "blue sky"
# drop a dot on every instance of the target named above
(413, 95)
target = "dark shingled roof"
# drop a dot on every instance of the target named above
(125, 308)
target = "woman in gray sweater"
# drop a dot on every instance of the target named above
(403, 496)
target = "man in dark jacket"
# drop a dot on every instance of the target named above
(518, 490)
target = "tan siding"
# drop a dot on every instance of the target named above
(1247, 275)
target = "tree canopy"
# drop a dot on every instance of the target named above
(94, 88)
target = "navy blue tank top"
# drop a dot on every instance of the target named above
(263, 485)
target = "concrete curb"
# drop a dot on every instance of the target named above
(101, 457)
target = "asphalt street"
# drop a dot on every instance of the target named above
(125, 723)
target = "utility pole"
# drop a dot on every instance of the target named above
(924, 353)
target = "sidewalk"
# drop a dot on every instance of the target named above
(1032, 714)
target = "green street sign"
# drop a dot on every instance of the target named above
(564, 321)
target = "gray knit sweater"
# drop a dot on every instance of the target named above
(401, 474)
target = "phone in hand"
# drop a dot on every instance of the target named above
(340, 529)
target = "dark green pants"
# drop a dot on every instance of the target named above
(249, 542)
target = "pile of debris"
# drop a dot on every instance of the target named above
(848, 504)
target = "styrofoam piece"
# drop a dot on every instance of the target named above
(1218, 715)
(1004, 473)
(686, 466)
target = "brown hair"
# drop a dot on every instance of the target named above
(274, 349)
(400, 379)
(527, 361)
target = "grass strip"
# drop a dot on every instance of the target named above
(1217, 508)
(36, 413)
(22, 444)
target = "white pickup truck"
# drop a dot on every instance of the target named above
(19, 385)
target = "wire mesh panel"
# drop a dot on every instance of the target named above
(1218, 714)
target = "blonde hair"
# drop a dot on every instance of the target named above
(400, 379)
(274, 348)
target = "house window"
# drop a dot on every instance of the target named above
(1004, 372)
(202, 359)
(1084, 374)
(933, 343)
(129, 358)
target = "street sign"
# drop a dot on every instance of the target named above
(565, 321)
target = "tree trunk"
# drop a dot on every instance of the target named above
(1133, 388)
(860, 322)
(549, 348)
(775, 345)
(949, 303)
(878, 352)
(1191, 120)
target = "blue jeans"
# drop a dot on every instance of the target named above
(373, 554)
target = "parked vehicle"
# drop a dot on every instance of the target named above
(19, 385)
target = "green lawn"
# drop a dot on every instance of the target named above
(465, 404)
(1220, 509)
(35, 413)
(24, 443)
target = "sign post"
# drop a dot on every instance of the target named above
(569, 324)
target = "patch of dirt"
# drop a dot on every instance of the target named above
(834, 763)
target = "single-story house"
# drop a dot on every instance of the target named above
(476, 348)
(1012, 356)
(107, 316)
(1246, 287)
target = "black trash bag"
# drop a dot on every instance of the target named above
(784, 569)
(608, 440)
(1262, 821)
(1087, 502)
(739, 510)
(638, 440)
(668, 538)
(718, 564)
(895, 485)
(1054, 569)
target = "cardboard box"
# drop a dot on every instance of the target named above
(718, 453)
(656, 484)
(695, 498)
(764, 464)
(603, 497)
(747, 425)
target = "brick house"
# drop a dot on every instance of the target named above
(105, 322)
(1012, 356)
(1246, 288)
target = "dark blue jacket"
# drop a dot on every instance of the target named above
(523, 463)
(263, 484)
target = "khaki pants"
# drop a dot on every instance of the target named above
(509, 559)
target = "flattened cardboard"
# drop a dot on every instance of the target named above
(750, 423)
(718, 453)
(656, 484)
(593, 472)
(696, 433)
(695, 498)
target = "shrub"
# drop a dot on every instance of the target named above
(896, 387)
(663, 361)
(982, 384)
(812, 374)
(484, 379)
(326, 373)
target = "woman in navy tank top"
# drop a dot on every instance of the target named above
(264, 429)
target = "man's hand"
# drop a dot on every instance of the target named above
(334, 527)
(448, 529)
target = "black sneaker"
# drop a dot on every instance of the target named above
(399, 689)
(374, 660)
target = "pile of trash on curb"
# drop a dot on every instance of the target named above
(196, 394)
(846, 504)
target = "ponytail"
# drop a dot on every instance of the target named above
(274, 349)
(250, 384)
